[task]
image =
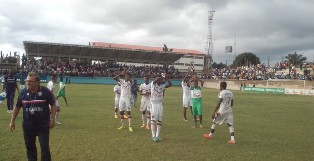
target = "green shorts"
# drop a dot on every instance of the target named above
(197, 106)
(61, 93)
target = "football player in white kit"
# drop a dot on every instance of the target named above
(157, 90)
(186, 96)
(117, 91)
(223, 112)
(125, 97)
(51, 87)
(145, 108)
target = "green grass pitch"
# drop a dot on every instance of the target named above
(267, 127)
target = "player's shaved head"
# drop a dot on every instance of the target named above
(223, 85)
(146, 79)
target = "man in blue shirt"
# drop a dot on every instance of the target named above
(134, 90)
(38, 118)
(9, 86)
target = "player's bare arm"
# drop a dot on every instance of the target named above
(202, 82)
(158, 79)
(15, 112)
(53, 116)
(117, 77)
(117, 92)
(216, 113)
(169, 83)
(141, 92)
(185, 77)
(191, 68)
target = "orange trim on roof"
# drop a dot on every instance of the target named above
(139, 47)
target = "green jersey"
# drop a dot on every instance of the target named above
(196, 92)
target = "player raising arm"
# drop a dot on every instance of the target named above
(157, 90)
(145, 108)
(196, 97)
(186, 95)
(117, 91)
(125, 97)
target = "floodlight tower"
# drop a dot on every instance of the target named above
(209, 43)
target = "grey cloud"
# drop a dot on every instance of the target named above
(266, 28)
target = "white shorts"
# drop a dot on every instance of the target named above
(116, 103)
(224, 118)
(187, 102)
(145, 105)
(125, 104)
(156, 111)
(57, 105)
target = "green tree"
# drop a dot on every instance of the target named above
(246, 58)
(295, 59)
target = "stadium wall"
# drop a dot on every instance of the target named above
(102, 80)
(298, 87)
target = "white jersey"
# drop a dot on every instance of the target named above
(125, 88)
(157, 92)
(186, 90)
(227, 97)
(117, 91)
(145, 101)
(51, 87)
(145, 88)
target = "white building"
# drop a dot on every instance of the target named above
(195, 60)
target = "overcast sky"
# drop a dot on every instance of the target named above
(268, 28)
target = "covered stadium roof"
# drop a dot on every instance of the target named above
(161, 49)
(105, 51)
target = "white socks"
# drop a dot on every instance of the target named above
(144, 119)
(153, 128)
(158, 130)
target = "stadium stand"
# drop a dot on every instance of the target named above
(102, 53)
(152, 60)
(75, 60)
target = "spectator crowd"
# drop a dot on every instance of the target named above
(110, 69)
